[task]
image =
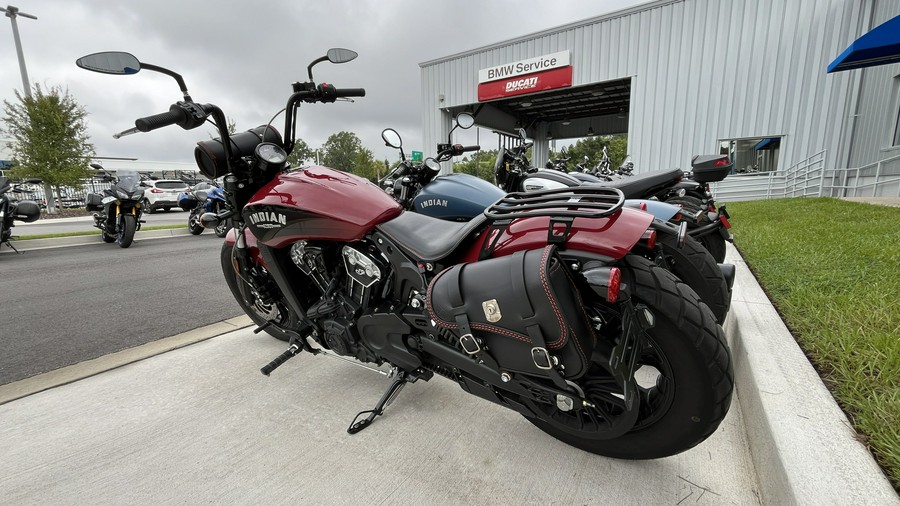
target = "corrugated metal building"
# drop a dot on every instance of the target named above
(683, 77)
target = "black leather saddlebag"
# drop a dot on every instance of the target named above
(92, 202)
(522, 310)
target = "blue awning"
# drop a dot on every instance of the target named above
(878, 47)
(768, 143)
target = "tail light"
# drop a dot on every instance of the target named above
(155, 190)
(650, 239)
(605, 281)
(721, 162)
(643, 206)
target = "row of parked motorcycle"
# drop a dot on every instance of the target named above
(118, 210)
(572, 303)
(601, 169)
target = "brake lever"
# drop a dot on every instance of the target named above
(126, 132)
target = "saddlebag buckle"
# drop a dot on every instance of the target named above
(469, 344)
(541, 358)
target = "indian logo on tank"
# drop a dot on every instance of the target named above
(268, 219)
(433, 202)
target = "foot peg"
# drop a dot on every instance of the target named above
(393, 389)
(280, 359)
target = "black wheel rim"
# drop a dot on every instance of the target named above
(656, 392)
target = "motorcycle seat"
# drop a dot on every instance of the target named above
(429, 239)
(638, 186)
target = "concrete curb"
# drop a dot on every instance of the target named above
(88, 368)
(803, 447)
(80, 240)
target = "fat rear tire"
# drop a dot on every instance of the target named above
(259, 312)
(694, 386)
(714, 242)
(695, 267)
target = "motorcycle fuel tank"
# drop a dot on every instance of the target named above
(456, 197)
(317, 203)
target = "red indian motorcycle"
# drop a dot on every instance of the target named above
(536, 305)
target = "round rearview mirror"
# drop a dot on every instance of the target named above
(110, 62)
(392, 138)
(340, 55)
(465, 120)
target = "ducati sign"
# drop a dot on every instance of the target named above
(521, 85)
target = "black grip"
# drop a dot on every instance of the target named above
(470, 148)
(349, 92)
(173, 117)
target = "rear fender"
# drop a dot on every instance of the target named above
(612, 236)
(660, 210)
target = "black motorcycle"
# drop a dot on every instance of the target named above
(117, 211)
(11, 209)
(513, 172)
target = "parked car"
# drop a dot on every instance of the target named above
(162, 194)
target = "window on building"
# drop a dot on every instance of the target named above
(753, 155)
(897, 128)
(896, 138)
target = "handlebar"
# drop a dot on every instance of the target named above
(187, 115)
(148, 123)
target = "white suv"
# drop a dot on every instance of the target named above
(162, 193)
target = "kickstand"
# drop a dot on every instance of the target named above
(393, 389)
(8, 243)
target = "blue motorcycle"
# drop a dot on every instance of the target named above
(205, 198)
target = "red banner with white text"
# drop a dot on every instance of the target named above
(529, 83)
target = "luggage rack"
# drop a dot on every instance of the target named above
(578, 202)
(561, 205)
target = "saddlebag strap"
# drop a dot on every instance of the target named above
(542, 358)
(468, 341)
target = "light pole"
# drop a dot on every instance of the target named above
(12, 13)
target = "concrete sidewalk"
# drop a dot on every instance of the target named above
(201, 424)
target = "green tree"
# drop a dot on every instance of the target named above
(302, 154)
(479, 164)
(50, 140)
(340, 151)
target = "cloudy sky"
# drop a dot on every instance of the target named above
(243, 56)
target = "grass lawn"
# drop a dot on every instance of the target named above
(832, 269)
(88, 232)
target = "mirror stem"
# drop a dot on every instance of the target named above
(178, 78)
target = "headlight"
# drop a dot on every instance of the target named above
(123, 195)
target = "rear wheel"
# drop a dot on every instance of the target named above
(194, 225)
(222, 228)
(106, 237)
(695, 267)
(713, 242)
(258, 310)
(126, 231)
(685, 377)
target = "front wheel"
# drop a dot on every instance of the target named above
(125, 234)
(258, 310)
(685, 377)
